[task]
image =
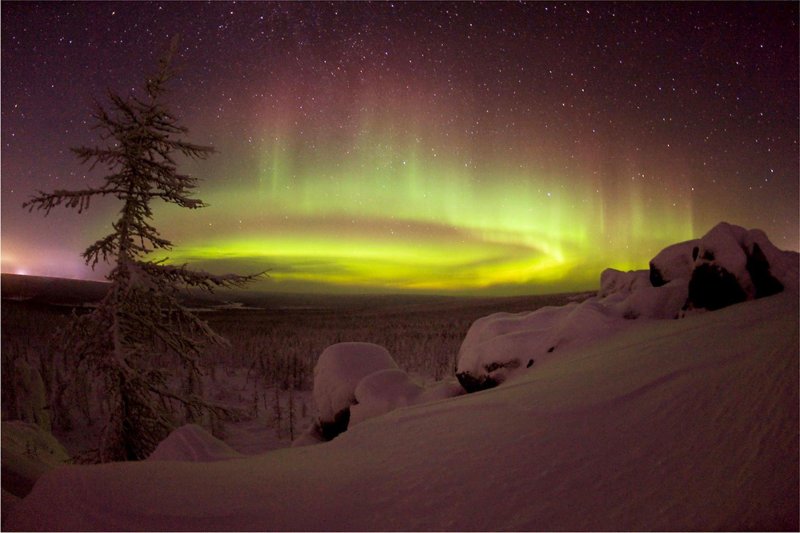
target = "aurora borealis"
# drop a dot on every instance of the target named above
(495, 148)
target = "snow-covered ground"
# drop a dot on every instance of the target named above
(687, 424)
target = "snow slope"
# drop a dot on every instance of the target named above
(677, 424)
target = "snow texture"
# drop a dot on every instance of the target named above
(192, 443)
(667, 425)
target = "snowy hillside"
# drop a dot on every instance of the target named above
(667, 424)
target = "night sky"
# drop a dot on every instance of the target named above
(495, 148)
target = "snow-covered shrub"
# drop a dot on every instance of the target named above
(192, 443)
(381, 392)
(337, 373)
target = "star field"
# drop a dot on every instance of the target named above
(447, 147)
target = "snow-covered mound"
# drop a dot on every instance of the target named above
(338, 371)
(381, 392)
(727, 265)
(192, 443)
(355, 381)
(28, 451)
(614, 281)
(669, 425)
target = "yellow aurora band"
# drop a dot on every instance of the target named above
(385, 220)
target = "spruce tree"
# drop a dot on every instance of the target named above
(141, 340)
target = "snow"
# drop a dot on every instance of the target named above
(28, 452)
(338, 371)
(381, 392)
(502, 345)
(722, 246)
(192, 443)
(615, 281)
(685, 424)
(736, 250)
(673, 262)
(664, 302)
(784, 265)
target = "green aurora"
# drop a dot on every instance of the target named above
(490, 148)
(379, 214)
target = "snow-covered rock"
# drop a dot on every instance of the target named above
(504, 344)
(780, 264)
(733, 264)
(727, 265)
(381, 392)
(615, 281)
(192, 443)
(664, 302)
(28, 451)
(338, 371)
(673, 262)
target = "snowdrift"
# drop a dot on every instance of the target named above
(685, 424)
(192, 443)
(28, 452)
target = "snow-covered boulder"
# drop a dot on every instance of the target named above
(381, 392)
(614, 281)
(673, 262)
(665, 301)
(192, 443)
(765, 256)
(337, 373)
(733, 264)
(503, 344)
(28, 451)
